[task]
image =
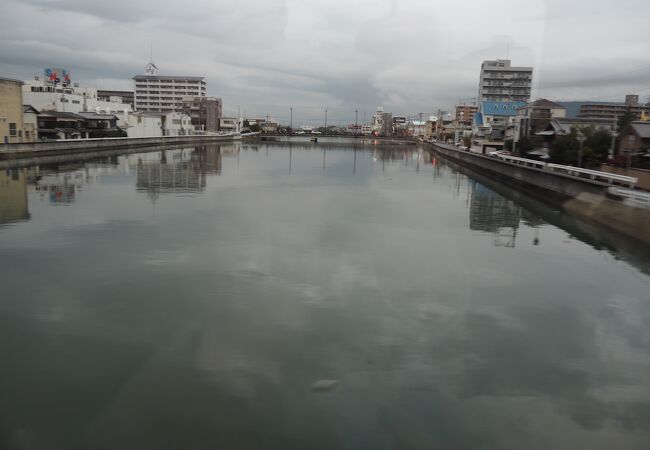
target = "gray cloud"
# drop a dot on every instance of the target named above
(267, 56)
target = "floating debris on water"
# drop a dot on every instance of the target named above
(324, 385)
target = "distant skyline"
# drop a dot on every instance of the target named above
(267, 56)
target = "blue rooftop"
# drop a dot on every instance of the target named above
(501, 108)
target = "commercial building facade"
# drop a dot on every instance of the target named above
(502, 82)
(46, 95)
(157, 93)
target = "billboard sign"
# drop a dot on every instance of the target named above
(56, 75)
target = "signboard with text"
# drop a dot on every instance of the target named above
(57, 75)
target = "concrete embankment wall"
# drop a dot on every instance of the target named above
(585, 199)
(27, 150)
(612, 214)
(531, 179)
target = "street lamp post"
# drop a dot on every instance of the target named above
(581, 139)
(291, 120)
(326, 120)
(356, 121)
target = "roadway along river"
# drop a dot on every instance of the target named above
(311, 297)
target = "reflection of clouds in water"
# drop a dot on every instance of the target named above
(215, 318)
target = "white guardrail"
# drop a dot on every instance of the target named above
(595, 175)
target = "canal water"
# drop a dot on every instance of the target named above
(310, 297)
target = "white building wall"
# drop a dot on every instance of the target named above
(138, 125)
(67, 99)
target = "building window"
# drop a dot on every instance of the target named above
(631, 139)
(12, 129)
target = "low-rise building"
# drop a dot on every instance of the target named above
(177, 124)
(493, 118)
(230, 124)
(54, 125)
(563, 125)
(634, 138)
(30, 123)
(417, 128)
(101, 125)
(141, 124)
(11, 111)
(535, 117)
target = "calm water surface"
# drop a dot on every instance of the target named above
(197, 299)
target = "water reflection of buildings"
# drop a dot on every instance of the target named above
(13, 195)
(62, 182)
(492, 213)
(177, 171)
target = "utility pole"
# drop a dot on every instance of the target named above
(581, 139)
(612, 146)
(326, 120)
(356, 121)
(291, 120)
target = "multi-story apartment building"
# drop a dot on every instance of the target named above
(204, 111)
(502, 82)
(157, 93)
(612, 111)
(126, 97)
(465, 114)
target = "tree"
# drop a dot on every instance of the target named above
(596, 147)
(625, 119)
(565, 149)
(524, 145)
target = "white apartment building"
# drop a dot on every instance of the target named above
(44, 95)
(502, 82)
(158, 93)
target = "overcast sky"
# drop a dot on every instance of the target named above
(409, 56)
